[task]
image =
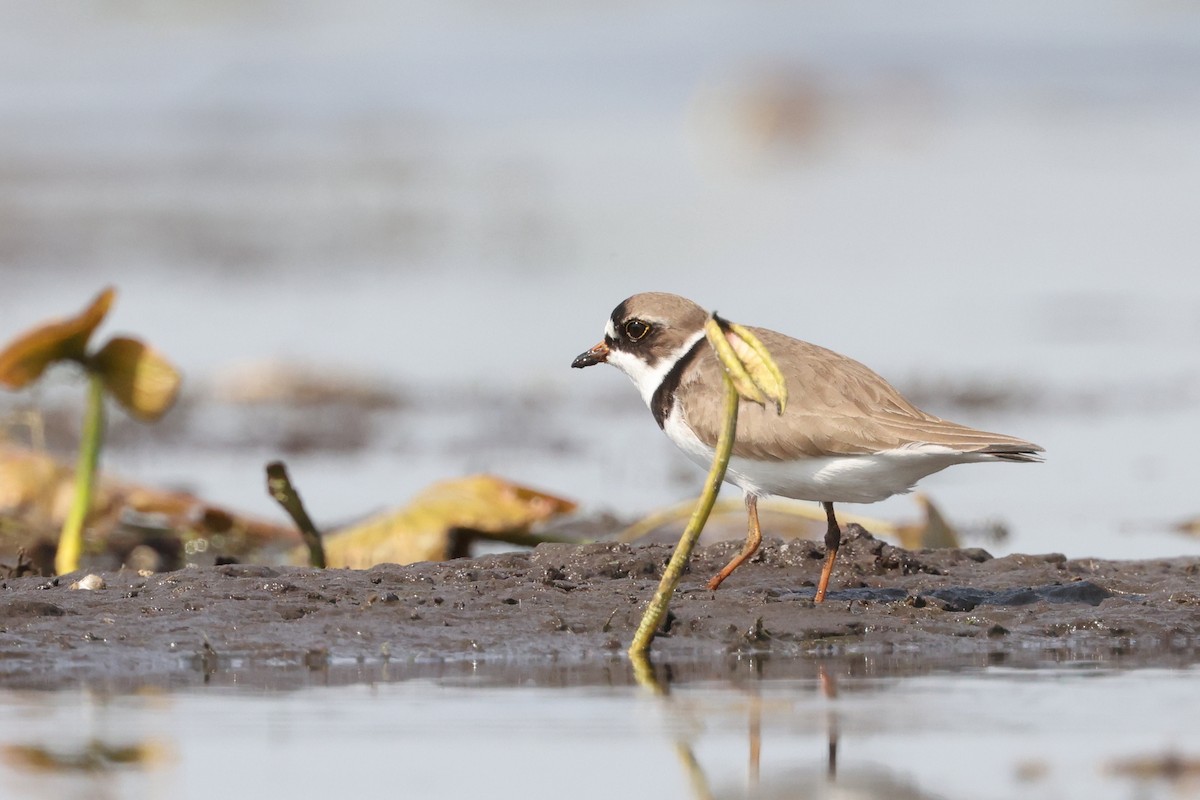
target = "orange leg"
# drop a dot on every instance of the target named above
(833, 540)
(753, 540)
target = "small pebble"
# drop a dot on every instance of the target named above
(92, 581)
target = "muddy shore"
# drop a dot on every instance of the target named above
(539, 614)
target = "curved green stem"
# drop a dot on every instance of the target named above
(657, 608)
(70, 543)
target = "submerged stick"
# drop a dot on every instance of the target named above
(279, 486)
(657, 609)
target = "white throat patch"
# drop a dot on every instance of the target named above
(646, 378)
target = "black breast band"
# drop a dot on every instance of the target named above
(664, 396)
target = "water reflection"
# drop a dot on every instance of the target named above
(94, 758)
(821, 781)
(746, 727)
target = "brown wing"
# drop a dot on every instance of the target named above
(836, 406)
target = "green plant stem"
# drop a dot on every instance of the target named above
(657, 608)
(70, 543)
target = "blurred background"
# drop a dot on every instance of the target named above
(373, 234)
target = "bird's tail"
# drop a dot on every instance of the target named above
(1023, 452)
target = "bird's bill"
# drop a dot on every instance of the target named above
(597, 355)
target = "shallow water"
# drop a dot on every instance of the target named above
(1059, 732)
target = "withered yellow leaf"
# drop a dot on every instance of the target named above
(759, 364)
(733, 365)
(137, 376)
(748, 363)
(26, 357)
(424, 530)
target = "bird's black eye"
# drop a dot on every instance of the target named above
(635, 329)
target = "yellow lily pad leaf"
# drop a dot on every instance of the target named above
(748, 363)
(428, 528)
(733, 365)
(759, 364)
(26, 357)
(138, 377)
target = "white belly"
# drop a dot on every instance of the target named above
(830, 479)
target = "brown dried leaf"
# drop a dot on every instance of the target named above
(26, 357)
(424, 529)
(138, 376)
(36, 492)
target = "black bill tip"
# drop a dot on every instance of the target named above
(597, 355)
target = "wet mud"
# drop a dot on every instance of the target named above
(567, 612)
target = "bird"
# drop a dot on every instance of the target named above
(845, 436)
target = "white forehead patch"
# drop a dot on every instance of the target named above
(609, 330)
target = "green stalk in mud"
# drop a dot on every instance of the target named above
(751, 374)
(136, 376)
(657, 608)
(70, 542)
